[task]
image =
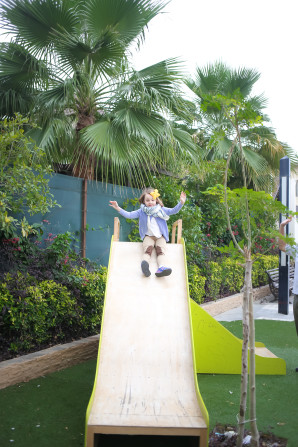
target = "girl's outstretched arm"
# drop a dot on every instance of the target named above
(177, 208)
(115, 205)
(127, 214)
(182, 197)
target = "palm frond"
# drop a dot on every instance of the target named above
(138, 122)
(242, 79)
(122, 157)
(12, 101)
(125, 19)
(34, 21)
(57, 137)
(186, 145)
(19, 68)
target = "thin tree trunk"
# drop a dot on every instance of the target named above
(248, 284)
(252, 373)
(244, 357)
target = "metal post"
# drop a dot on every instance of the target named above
(284, 193)
(84, 218)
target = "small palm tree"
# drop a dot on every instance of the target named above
(261, 151)
(68, 66)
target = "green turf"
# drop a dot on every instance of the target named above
(50, 411)
(277, 396)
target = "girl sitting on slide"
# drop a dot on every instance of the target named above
(153, 216)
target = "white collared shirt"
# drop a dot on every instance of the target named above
(153, 228)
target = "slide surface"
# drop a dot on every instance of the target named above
(154, 341)
(146, 380)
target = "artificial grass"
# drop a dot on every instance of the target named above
(50, 411)
(277, 397)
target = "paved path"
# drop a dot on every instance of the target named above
(265, 309)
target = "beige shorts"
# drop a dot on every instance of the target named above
(160, 245)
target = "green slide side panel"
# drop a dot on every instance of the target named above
(96, 373)
(199, 396)
(218, 351)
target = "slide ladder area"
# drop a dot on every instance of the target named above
(218, 351)
(145, 379)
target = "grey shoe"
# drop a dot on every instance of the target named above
(145, 268)
(163, 271)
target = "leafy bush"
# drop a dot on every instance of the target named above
(90, 300)
(50, 294)
(215, 280)
(232, 276)
(24, 173)
(263, 263)
(42, 314)
(196, 283)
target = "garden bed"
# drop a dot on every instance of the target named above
(55, 358)
(226, 436)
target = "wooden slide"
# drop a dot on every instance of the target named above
(154, 341)
(145, 380)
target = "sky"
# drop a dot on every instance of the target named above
(258, 34)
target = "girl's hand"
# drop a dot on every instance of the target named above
(182, 197)
(286, 221)
(114, 205)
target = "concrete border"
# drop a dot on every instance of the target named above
(36, 364)
(222, 305)
(56, 358)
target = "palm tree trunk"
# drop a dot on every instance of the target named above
(84, 168)
(84, 218)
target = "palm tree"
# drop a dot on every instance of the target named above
(261, 151)
(68, 66)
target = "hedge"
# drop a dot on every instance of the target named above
(35, 313)
(226, 277)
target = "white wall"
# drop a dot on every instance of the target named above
(293, 226)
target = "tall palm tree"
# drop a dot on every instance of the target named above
(261, 150)
(68, 65)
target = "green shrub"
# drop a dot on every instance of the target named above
(196, 283)
(34, 313)
(259, 275)
(214, 280)
(46, 309)
(232, 276)
(91, 298)
(24, 180)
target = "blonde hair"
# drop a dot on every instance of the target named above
(148, 191)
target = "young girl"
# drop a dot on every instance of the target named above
(153, 227)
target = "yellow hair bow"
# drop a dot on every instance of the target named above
(155, 194)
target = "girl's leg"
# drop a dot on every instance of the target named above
(161, 247)
(148, 246)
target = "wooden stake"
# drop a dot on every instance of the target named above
(178, 225)
(116, 229)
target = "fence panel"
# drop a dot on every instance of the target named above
(100, 216)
